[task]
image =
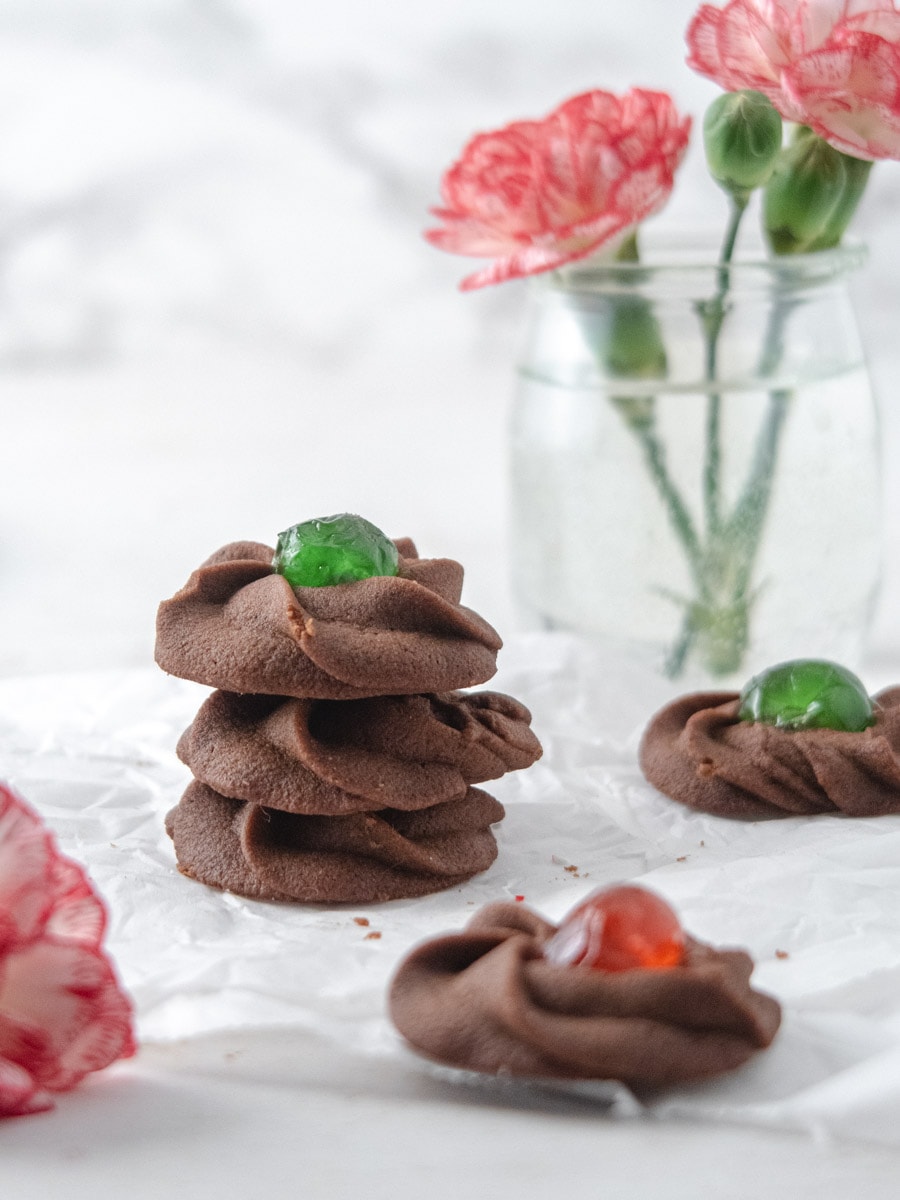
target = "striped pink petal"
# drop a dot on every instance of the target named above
(536, 195)
(833, 65)
(63, 1013)
(19, 1095)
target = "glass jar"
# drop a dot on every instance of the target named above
(695, 470)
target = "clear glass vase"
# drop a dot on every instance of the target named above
(695, 471)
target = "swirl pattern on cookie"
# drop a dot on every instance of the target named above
(239, 626)
(486, 1000)
(697, 751)
(368, 857)
(340, 756)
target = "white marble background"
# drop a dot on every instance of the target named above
(218, 316)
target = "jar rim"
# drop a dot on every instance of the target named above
(674, 257)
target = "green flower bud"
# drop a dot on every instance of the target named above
(742, 136)
(857, 177)
(812, 195)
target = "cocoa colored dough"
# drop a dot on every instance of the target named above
(696, 751)
(342, 756)
(336, 761)
(486, 1000)
(358, 858)
(238, 625)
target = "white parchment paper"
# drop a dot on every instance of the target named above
(816, 901)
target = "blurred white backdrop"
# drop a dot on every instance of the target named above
(217, 312)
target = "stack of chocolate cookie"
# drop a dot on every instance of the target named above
(336, 760)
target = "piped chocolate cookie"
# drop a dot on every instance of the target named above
(617, 992)
(335, 761)
(241, 625)
(802, 738)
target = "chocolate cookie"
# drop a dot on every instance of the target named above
(487, 1000)
(699, 753)
(358, 858)
(335, 762)
(340, 756)
(239, 626)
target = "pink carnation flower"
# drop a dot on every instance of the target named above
(538, 194)
(62, 1011)
(833, 65)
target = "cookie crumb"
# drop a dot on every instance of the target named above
(572, 870)
(360, 920)
(681, 858)
(373, 936)
(782, 954)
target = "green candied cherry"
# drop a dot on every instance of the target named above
(807, 693)
(331, 550)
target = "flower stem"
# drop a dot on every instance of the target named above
(635, 350)
(714, 318)
(738, 208)
(675, 506)
(720, 616)
(751, 510)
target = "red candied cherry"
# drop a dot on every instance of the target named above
(617, 929)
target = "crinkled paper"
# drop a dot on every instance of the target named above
(816, 900)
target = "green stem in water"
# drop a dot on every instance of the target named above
(748, 518)
(635, 351)
(675, 506)
(674, 663)
(752, 508)
(714, 318)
